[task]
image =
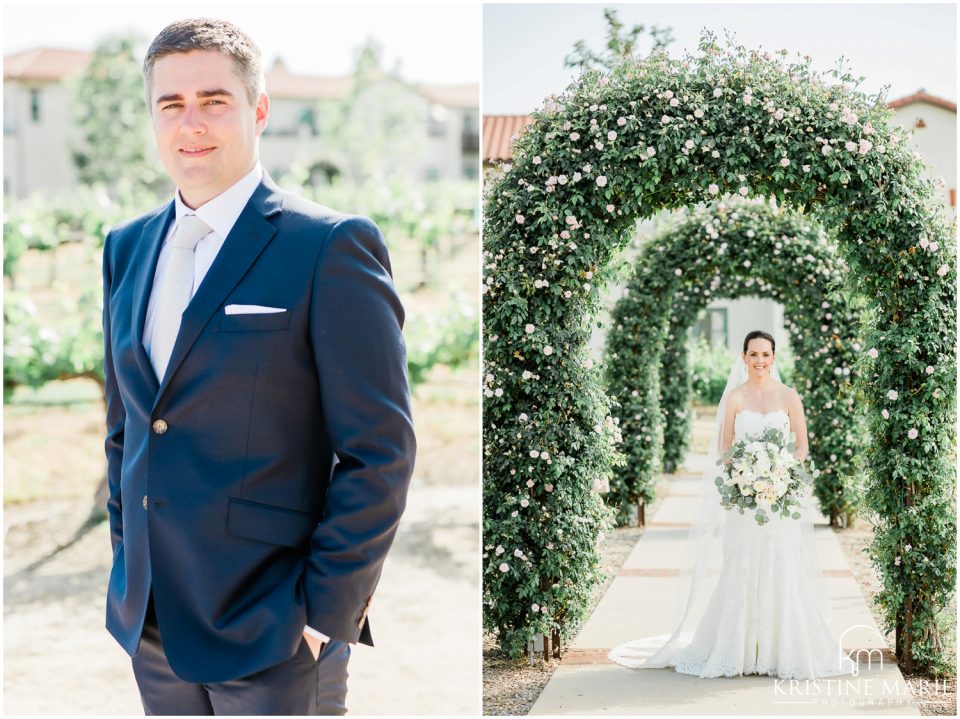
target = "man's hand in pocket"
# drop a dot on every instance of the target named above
(316, 646)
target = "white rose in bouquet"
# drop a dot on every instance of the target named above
(762, 466)
(754, 448)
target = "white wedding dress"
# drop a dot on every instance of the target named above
(764, 615)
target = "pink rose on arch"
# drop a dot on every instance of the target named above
(913, 433)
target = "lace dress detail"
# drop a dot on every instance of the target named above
(763, 616)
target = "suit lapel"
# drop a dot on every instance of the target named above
(151, 240)
(250, 235)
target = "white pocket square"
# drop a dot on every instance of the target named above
(251, 310)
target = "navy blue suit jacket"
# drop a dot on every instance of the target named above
(256, 487)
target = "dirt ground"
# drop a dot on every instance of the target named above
(59, 659)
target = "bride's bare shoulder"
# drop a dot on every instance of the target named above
(738, 391)
(789, 394)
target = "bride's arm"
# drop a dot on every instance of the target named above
(730, 414)
(798, 424)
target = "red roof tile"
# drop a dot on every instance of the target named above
(281, 83)
(498, 135)
(465, 94)
(44, 63)
(51, 64)
(921, 96)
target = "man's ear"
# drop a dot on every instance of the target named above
(263, 112)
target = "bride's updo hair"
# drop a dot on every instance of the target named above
(759, 334)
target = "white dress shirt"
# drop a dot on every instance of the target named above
(220, 214)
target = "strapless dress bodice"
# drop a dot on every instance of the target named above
(749, 422)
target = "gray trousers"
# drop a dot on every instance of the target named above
(300, 685)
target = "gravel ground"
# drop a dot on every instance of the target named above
(53, 616)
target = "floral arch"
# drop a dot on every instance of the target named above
(663, 133)
(730, 249)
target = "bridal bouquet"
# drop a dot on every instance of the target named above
(762, 475)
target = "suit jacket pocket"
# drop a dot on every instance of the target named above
(270, 524)
(256, 322)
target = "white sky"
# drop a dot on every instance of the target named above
(433, 42)
(907, 46)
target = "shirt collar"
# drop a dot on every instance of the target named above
(221, 213)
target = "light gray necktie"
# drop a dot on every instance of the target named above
(174, 293)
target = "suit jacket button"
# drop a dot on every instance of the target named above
(159, 426)
(144, 501)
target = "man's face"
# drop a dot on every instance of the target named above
(205, 127)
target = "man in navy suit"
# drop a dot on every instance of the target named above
(259, 434)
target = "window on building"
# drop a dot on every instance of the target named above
(712, 326)
(308, 119)
(35, 105)
(470, 136)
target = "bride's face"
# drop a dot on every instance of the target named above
(759, 357)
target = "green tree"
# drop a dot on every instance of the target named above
(114, 147)
(620, 46)
(377, 131)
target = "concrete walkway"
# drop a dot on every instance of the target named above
(640, 603)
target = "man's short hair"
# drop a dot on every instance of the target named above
(208, 34)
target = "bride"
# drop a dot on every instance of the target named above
(752, 597)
